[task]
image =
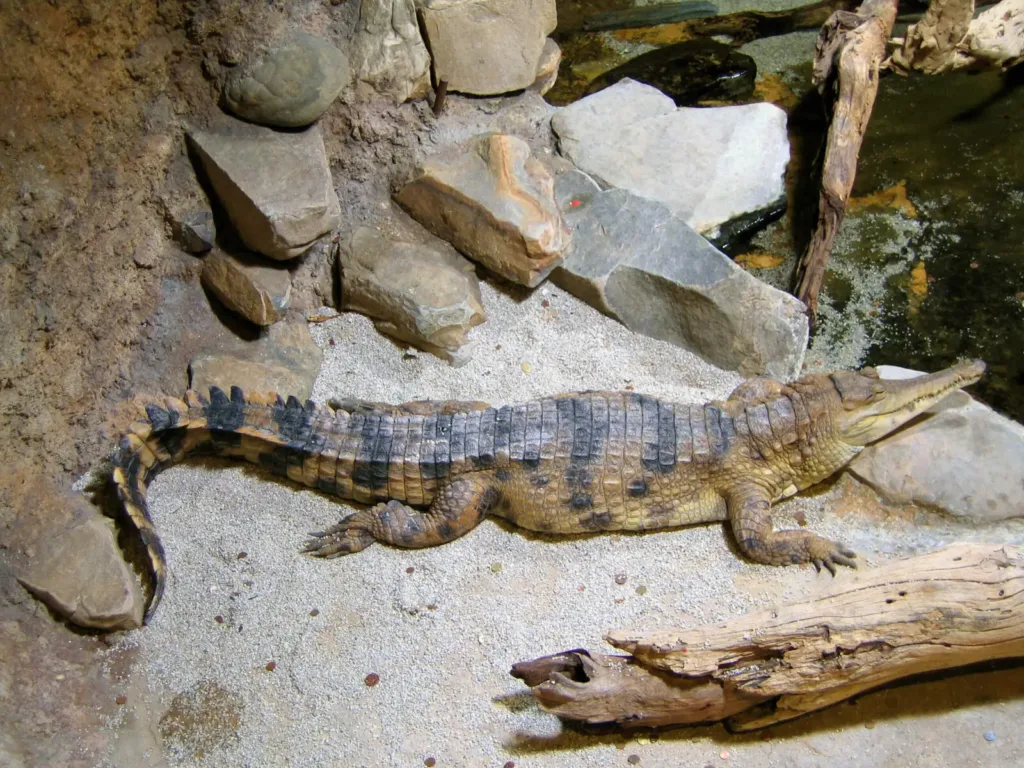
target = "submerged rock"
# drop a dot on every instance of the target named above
(81, 574)
(963, 458)
(388, 53)
(493, 201)
(707, 165)
(689, 72)
(276, 187)
(284, 359)
(637, 262)
(290, 85)
(257, 291)
(425, 296)
(487, 47)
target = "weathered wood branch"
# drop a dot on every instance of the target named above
(952, 608)
(949, 38)
(849, 53)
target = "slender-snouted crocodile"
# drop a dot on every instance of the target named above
(574, 463)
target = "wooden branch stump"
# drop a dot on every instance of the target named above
(952, 608)
(849, 53)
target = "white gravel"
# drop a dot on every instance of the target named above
(443, 637)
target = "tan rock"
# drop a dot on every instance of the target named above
(426, 296)
(547, 67)
(81, 574)
(487, 47)
(388, 53)
(276, 187)
(284, 359)
(495, 203)
(254, 289)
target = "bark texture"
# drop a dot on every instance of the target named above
(952, 608)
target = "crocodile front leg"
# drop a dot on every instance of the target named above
(749, 513)
(456, 510)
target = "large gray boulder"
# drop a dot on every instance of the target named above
(636, 261)
(707, 165)
(487, 47)
(290, 85)
(426, 296)
(493, 201)
(963, 458)
(388, 54)
(276, 187)
(81, 574)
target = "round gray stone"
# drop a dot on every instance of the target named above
(290, 85)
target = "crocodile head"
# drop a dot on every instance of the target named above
(874, 407)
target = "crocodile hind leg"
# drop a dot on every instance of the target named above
(455, 511)
(752, 525)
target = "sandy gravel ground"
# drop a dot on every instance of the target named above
(285, 643)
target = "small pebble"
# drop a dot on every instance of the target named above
(526, 367)
(121, 700)
(633, 759)
(430, 762)
(495, 567)
(545, 303)
(641, 590)
(869, 726)
(509, 764)
(801, 518)
(371, 679)
(410, 569)
(724, 754)
(242, 555)
(620, 578)
(315, 612)
(219, 619)
(271, 666)
(581, 588)
(620, 600)
(990, 735)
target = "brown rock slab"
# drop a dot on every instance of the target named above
(81, 574)
(962, 458)
(423, 295)
(495, 203)
(487, 47)
(257, 291)
(284, 359)
(290, 85)
(276, 187)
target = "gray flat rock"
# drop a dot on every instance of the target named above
(707, 165)
(425, 296)
(494, 202)
(290, 85)
(81, 574)
(284, 359)
(276, 187)
(963, 458)
(388, 53)
(637, 262)
(487, 47)
(256, 290)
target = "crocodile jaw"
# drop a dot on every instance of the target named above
(897, 401)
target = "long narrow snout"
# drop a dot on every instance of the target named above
(903, 399)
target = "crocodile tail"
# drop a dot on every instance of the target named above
(241, 425)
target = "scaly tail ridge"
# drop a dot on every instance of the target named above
(245, 426)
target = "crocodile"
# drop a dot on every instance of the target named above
(575, 463)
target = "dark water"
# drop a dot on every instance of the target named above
(958, 142)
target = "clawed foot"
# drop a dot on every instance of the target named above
(829, 554)
(350, 535)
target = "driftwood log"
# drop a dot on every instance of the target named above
(848, 55)
(948, 37)
(952, 608)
